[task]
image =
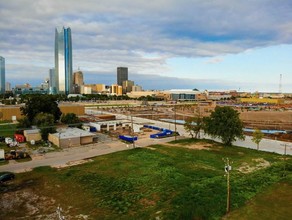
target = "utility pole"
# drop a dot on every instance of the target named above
(227, 169)
(175, 133)
(132, 129)
(285, 155)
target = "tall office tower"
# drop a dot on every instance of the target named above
(122, 75)
(78, 78)
(63, 61)
(52, 82)
(2, 75)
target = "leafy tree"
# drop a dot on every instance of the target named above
(257, 137)
(70, 119)
(225, 124)
(40, 103)
(45, 122)
(24, 123)
(193, 126)
(43, 119)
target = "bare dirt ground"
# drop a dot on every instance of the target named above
(196, 146)
(267, 119)
(31, 204)
(260, 163)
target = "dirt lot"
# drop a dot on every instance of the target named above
(267, 119)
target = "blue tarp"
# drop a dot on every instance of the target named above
(164, 132)
(128, 138)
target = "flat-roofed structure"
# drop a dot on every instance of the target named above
(71, 137)
(12, 112)
(32, 135)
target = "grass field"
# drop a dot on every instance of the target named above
(165, 181)
(7, 130)
(273, 203)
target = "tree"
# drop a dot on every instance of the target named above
(70, 119)
(41, 103)
(193, 126)
(24, 123)
(225, 124)
(45, 122)
(257, 137)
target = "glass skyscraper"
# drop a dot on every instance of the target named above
(2, 75)
(63, 61)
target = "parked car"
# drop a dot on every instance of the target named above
(6, 177)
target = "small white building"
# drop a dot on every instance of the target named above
(114, 124)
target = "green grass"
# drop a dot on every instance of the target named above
(7, 130)
(274, 203)
(5, 121)
(169, 182)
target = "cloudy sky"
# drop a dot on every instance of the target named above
(204, 44)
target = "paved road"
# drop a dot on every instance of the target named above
(75, 154)
(57, 159)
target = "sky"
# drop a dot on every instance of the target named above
(166, 44)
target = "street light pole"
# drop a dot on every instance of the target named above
(227, 170)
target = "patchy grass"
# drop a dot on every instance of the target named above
(170, 182)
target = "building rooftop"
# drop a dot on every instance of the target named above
(65, 133)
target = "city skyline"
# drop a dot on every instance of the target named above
(190, 44)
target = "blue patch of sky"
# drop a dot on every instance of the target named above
(251, 66)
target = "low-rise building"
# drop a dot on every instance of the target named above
(116, 89)
(71, 137)
(12, 112)
(32, 135)
(182, 95)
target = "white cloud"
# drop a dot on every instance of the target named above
(111, 33)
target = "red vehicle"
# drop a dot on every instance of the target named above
(19, 138)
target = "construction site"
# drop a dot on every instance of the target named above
(277, 122)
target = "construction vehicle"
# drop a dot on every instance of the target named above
(13, 154)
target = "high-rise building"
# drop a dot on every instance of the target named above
(77, 81)
(2, 75)
(63, 61)
(78, 78)
(52, 81)
(8, 87)
(122, 75)
(127, 86)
